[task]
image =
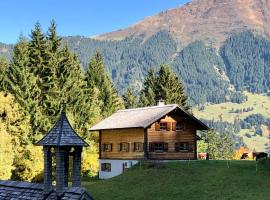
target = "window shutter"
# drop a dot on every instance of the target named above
(103, 147)
(102, 167)
(142, 147)
(168, 126)
(165, 146)
(190, 147)
(176, 147)
(133, 146)
(151, 147)
(173, 126)
(157, 125)
(128, 147)
(119, 147)
(111, 147)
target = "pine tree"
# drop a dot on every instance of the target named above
(96, 76)
(130, 100)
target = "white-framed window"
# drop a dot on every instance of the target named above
(180, 126)
(107, 147)
(158, 147)
(106, 167)
(138, 146)
(124, 146)
(183, 146)
(163, 126)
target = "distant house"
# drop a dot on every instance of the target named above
(62, 142)
(162, 132)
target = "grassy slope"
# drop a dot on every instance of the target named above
(204, 180)
(261, 105)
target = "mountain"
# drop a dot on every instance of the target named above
(211, 21)
(6, 50)
(224, 41)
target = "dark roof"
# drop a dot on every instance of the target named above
(34, 191)
(142, 117)
(62, 134)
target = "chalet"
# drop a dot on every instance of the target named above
(162, 132)
(62, 142)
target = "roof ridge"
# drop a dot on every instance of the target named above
(61, 128)
(145, 108)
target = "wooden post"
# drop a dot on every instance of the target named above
(145, 144)
(195, 147)
(100, 145)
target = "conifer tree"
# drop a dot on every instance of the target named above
(148, 93)
(20, 81)
(170, 88)
(166, 86)
(130, 100)
(73, 91)
(53, 56)
(3, 71)
(96, 76)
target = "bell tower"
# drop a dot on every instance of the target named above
(62, 142)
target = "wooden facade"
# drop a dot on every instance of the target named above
(174, 144)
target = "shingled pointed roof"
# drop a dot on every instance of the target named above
(142, 117)
(62, 134)
(30, 191)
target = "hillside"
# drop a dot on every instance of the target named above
(219, 48)
(211, 21)
(205, 180)
(6, 50)
(236, 114)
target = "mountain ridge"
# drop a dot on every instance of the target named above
(211, 21)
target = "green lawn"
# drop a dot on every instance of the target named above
(204, 180)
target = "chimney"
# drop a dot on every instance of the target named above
(62, 138)
(161, 102)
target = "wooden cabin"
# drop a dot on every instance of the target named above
(163, 132)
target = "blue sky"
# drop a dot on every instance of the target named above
(75, 17)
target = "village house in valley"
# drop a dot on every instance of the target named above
(62, 142)
(162, 132)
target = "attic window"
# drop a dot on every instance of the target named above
(180, 126)
(163, 126)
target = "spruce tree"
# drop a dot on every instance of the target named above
(148, 95)
(3, 72)
(130, 100)
(97, 77)
(170, 88)
(53, 56)
(163, 86)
